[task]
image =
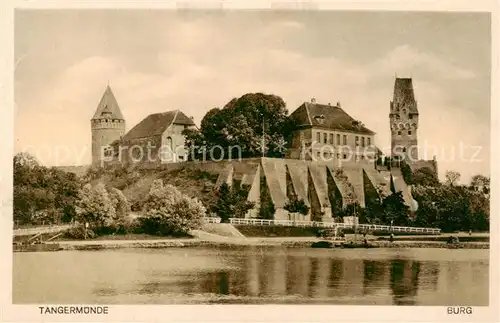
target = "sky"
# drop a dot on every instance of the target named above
(194, 60)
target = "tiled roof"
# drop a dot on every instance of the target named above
(108, 107)
(403, 93)
(157, 123)
(327, 116)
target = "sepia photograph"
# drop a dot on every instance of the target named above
(196, 156)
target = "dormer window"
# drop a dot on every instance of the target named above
(320, 119)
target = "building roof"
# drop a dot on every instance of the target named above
(157, 123)
(333, 117)
(108, 107)
(403, 93)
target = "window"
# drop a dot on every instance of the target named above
(404, 111)
(404, 149)
(399, 133)
(331, 139)
(318, 137)
(344, 139)
(326, 155)
(409, 132)
(397, 116)
(338, 139)
(362, 141)
(345, 156)
(411, 116)
(362, 157)
(357, 141)
(318, 154)
(325, 137)
(369, 140)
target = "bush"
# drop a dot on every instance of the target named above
(169, 212)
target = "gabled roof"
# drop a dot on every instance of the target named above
(157, 123)
(108, 107)
(328, 117)
(403, 93)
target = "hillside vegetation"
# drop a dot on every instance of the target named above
(136, 183)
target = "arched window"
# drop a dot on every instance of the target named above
(169, 144)
(404, 149)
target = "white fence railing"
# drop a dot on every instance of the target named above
(211, 219)
(371, 227)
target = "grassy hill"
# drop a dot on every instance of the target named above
(135, 183)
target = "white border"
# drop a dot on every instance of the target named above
(238, 313)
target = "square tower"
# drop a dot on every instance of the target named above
(403, 118)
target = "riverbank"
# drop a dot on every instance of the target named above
(284, 242)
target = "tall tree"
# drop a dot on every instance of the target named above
(246, 122)
(452, 178)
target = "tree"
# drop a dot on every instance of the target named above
(232, 202)
(295, 205)
(452, 178)
(95, 206)
(424, 176)
(42, 195)
(480, 183)
(240, 124)
(120, 203)
(169, 212)
(395, 209)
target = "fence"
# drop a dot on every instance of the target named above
(211, 219)
(371, 227)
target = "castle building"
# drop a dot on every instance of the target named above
(403, 118)
(327, 133)
(107, 125)
(157, 138)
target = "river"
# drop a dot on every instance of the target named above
(253, 275)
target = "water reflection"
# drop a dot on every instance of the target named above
(256, 274)
(266, 274)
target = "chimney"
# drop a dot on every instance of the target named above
(338, 104)
(313, 100)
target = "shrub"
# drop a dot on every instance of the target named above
(169, 212)
(297, 206)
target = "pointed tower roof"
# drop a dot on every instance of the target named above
(403, 93)
(108, 106)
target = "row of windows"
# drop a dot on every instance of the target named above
(328, 138)
(409, 117)
(328, 155)
(400, 133)
(108, 120)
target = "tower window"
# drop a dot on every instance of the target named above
(409, 132)
(399, 133)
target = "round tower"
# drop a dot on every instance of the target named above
(107, 126)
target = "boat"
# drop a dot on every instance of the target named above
(37, 247)
(323, 244)
(353, 245)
